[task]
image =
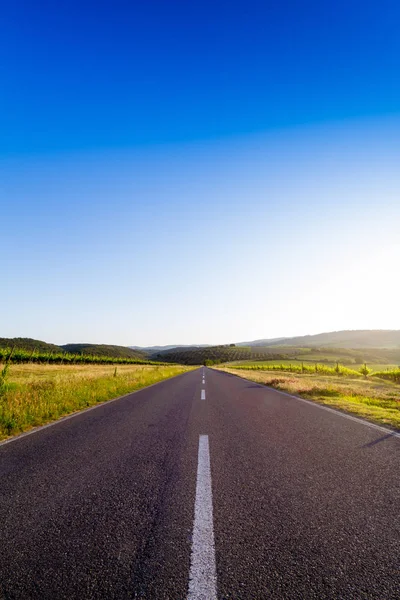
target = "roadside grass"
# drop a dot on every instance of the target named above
(372, 399)
(35, 394)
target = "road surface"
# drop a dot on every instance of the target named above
(205, 486)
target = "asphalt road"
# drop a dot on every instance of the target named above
(118, 502)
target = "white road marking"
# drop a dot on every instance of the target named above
(203, 394)
(203, 381)
(203, 575)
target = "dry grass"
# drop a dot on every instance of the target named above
(36, 394)
(378, 401)
(26, 373)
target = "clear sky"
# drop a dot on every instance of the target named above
(198, 172)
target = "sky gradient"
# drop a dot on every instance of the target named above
(208, 173)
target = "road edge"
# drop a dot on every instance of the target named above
(38, 428)
(394, 432)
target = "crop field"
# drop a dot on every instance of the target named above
(375, 397)
(311, 363)
(21, 355)
(333, 357)
(391, 372)
(34, 394)
(230, 353)
(300, 368)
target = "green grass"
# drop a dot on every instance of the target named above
(32, 394)
(372, 398)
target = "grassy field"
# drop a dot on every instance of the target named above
(34, 394)
(372, 398)
(311, 362)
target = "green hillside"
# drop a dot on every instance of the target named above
(29, 344)
(86, 349)
(27, 349)
(217, 354)
(104, 350)
(348, 347)
(328, 355)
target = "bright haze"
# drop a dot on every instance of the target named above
(208, 172)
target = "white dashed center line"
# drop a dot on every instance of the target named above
(203, 576)
(203, 394)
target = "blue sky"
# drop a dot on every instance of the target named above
(198, 173)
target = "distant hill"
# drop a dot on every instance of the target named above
(221, 354)
(29, 344)
(368, 338)
(104, 350)
(153, 349)
(385, 342)
(216, 354)
(356, 346)
(265, 342)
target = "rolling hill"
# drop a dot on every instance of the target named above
(351, 346)
(154, 349)
(111, 351)
(104, 350)
(368, 338)
(217, 354)
(29, 344)
(357, 345)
